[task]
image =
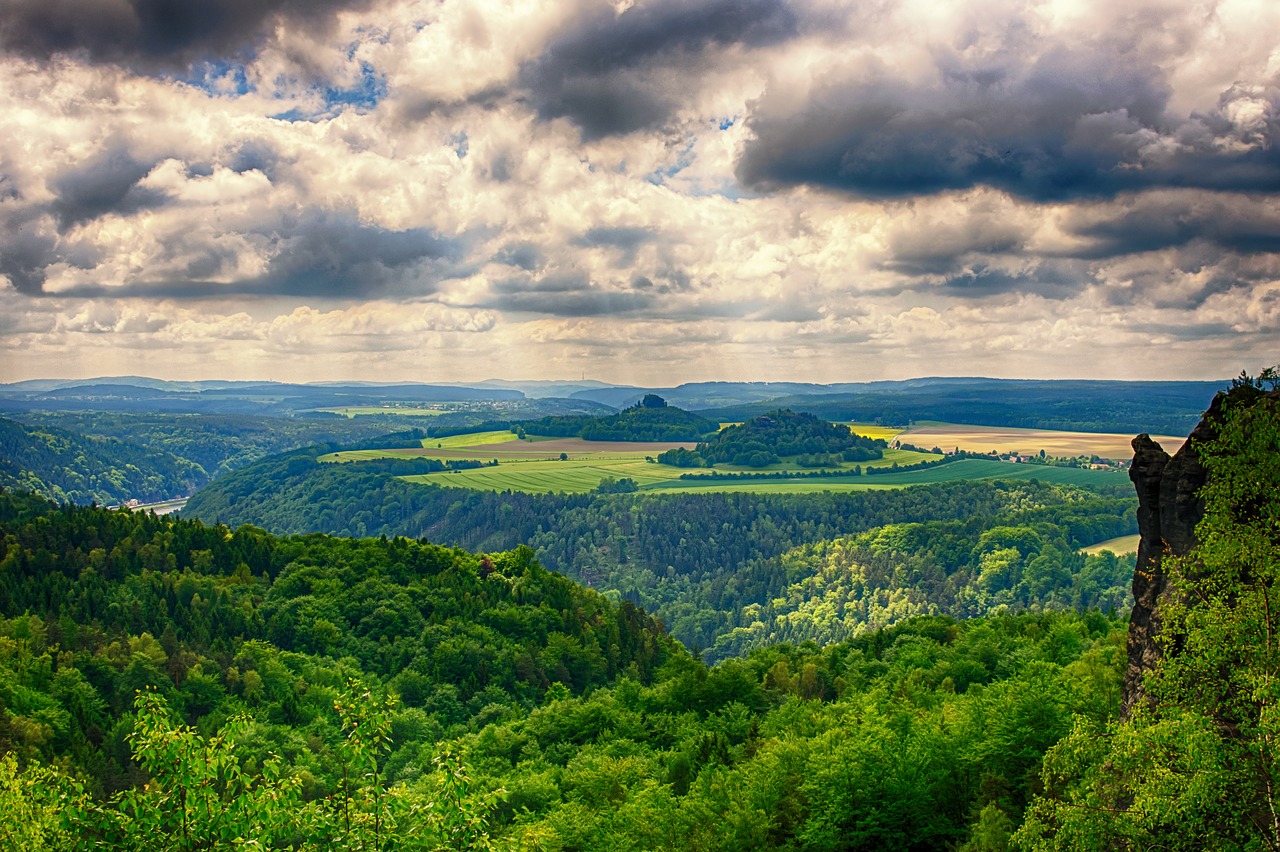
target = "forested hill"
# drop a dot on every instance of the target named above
(65, 466)
(202, 614)
(111, 457)
(731, 571)
(650, 419)
(764, 440)
(165, 684)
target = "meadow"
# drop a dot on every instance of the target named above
(536, 466)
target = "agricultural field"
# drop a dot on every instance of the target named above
(874, 430)
(536, 466)
(1123, 544)
(984, 439)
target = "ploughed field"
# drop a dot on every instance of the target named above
(535, 466)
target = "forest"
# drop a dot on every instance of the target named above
(764, 440)
(478, 701)
(729, 571)
(110, 457)
(927, 668)
(650, 419)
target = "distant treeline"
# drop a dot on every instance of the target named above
(1169, 408)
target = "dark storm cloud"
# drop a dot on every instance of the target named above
(335, 255)
(1155, 221)
(1057, 281)
(566, 294)
(627, 241)
(1192, 276)
(614, 73)
(105, 183)
(152, 34)
(258, 155)
(936, 249)
(322, 254)
(1070, 124)
(25, 251)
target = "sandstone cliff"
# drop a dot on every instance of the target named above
(1169, 507)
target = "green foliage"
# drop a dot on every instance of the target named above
(610, 485)
(530, 713)
(109, 457)
(65, 466)
(651, 419)
(713, 565)
(766, 439)
(1197, 767)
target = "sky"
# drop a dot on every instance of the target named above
(645, 192)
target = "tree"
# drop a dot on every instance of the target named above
(1199, 767)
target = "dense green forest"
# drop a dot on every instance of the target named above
(726, 572)
(769, 438)
(167, 684)
(65, 466)
(110, 457)
(316, 692)
(650, 419)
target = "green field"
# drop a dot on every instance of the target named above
(535, 466)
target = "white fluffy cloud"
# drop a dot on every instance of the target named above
(735, 189)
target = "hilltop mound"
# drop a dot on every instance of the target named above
(650, 419)
(769, 438)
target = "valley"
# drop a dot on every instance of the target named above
(591, 640)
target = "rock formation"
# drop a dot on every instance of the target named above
(1169, 507)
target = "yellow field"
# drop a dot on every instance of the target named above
(984, 439)
(871, 430)
(1118, 546)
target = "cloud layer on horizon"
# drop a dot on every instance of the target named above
(821, 190)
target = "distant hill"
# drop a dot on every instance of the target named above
(767, 439)
(650, 419)
(1171, 408)
(65, 466)
(152, 395)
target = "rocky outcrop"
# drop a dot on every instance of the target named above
(1169, 507)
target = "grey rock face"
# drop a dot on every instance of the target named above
(1169, 507)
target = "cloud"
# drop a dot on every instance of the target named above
(1041, 119)
(625, 240)
(154, 34)
(615, 72)
(567, 294)
(315, 253)
(1236, 222)
(106, 183)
